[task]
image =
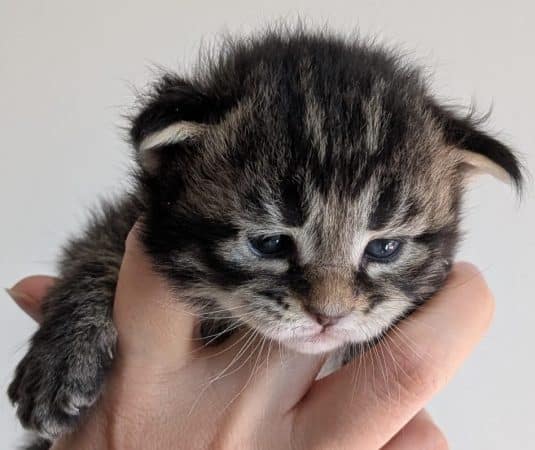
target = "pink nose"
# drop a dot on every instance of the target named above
(325, 319)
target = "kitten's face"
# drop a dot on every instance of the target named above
(320, 208)
(313, 247)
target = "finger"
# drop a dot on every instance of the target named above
(29, 292)
(155, 329)
(425, 351)
(420, 433)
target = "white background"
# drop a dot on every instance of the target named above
(66, 75)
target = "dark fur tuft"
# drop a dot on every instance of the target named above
(466, 132)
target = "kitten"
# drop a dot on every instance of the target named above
(311, 181)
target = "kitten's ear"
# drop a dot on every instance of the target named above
(175, 113)
(477, 151)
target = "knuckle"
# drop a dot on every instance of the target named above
(425, 434)
(436, 440)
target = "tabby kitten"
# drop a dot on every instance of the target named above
(311, 181)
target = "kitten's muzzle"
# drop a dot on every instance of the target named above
(331, 297)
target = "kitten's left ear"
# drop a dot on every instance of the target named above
(479, 152)
(175, 115)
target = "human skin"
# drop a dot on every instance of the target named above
(165, 390)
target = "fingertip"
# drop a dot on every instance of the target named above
(29, 292)
(465, 267)
(471, 285)
(26, 303)
(35, 286)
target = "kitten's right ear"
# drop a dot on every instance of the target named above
(175, 113)
(477, 151)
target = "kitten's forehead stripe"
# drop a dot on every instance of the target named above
(385, 206)
(293, 203)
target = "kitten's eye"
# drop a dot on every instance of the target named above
(382, 249)
(275, 246)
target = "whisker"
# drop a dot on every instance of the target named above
(251, 375)
(224, 372)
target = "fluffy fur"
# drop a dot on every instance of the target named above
(331, 142)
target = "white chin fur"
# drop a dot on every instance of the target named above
(313, 346)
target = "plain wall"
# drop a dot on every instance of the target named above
(66, 74)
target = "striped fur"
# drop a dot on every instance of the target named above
(329, 141)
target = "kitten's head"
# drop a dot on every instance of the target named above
(307, 186)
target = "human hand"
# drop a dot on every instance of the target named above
(162, 392)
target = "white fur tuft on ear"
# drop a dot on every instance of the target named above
(172, 134)
(478, 164)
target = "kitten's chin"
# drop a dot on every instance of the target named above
(313, 345)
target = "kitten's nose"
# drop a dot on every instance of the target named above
(325, 319)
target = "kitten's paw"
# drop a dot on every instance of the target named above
(51, 391)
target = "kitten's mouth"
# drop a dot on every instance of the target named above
(325, 340)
